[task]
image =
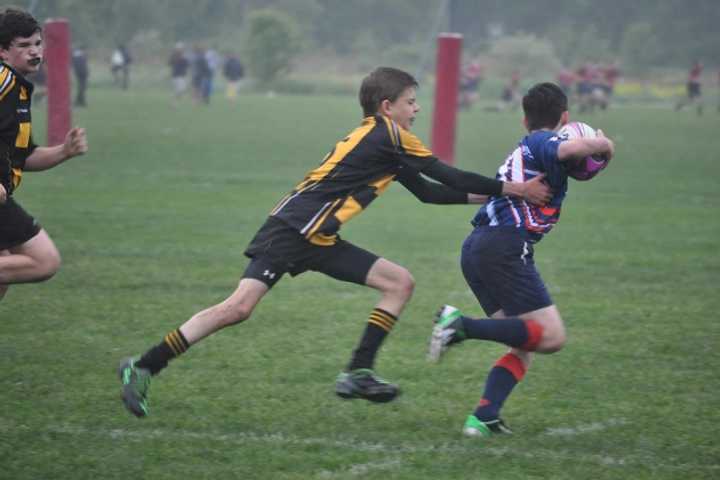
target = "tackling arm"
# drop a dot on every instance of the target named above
(534, 191)
(431, 192)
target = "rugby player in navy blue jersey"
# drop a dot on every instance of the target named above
(27, 254)
(497, 258)
(301, 234)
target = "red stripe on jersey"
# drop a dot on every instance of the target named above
(513, 364)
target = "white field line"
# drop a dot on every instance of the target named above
(279, 439)
(360, 469)
(587, 428)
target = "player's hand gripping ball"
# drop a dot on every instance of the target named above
(582, 169)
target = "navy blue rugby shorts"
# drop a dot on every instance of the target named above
(499, 267)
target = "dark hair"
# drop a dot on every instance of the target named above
(383, 83)
(543, 105)
(16, 23)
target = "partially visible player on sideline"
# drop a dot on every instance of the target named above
(27, 254)
(610, 74)
(497, 259)
(694, 88)
(301, 234)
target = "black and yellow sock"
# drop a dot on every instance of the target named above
(379, 325)
(173, 345)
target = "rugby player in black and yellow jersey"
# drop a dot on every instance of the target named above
(27, 254)
(301, 234)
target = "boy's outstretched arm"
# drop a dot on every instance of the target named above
(43, 158)
(535, 191)
(430, 192)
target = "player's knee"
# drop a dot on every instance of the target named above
(554, 339)
(48, 266)
(405, 285)
(239, 313)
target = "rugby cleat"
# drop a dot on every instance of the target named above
(135, 384)
(477, 428)
(363, 383)
(448, 330)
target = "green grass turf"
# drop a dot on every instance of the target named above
(152, 224)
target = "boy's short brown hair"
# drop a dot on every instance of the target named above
(383, 83)
(16, 23)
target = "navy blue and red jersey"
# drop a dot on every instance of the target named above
(536, 154)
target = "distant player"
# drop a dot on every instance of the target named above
(693, 88)
(27, 254)
(471, 76)
(301, 234)
(610, 75)
(497, 259)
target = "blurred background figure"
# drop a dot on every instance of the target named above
(566, 80)
(611, 74)
(471, 76)
(584, 86)
(212, 57)
(693, 88)
(200, 75)
(82, 72)
(120, 66)
(233, 71)
(511, 92)
(179, 66)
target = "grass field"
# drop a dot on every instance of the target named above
(152, 224)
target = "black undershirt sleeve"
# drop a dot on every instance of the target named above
(430, 192)
(462, 180)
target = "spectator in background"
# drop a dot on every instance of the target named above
(694, 88)
(82, 72)
(511, 92)
(213, 62)
(179, 66)
(120, 66)
(611, 73)
(471, 76)
(584, 86)
(200, 75)
(127, 60)
(233, 71)
(566, 80)
(117, 60)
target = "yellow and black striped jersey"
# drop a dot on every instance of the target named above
(16, 142)
(351, 176)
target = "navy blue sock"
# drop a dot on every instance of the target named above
(501, 380)
(513, 331)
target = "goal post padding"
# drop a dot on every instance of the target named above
(56, 33)
(447, 78)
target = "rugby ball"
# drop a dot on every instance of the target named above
(582, 169)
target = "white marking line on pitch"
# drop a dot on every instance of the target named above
(350, 444)
(587, 428)
(360, 469)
